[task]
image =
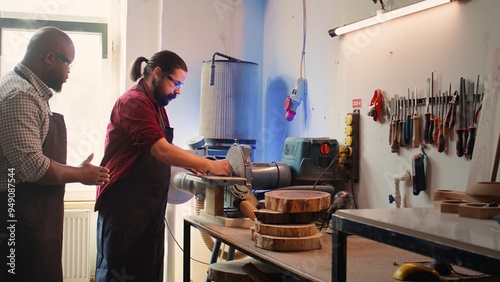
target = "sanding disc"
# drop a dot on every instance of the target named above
(239, 158)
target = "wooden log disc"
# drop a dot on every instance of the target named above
(286, 230)
(294, 201)
(274, 243)
(230, 271)
(274, 217)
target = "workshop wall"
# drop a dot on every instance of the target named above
(454, 40)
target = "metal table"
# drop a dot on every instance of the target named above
(314, 265)
(471, 243)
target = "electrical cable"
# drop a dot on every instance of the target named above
(178, 245)
(293, 101)
(303, 57)
(354, 198)
(325, 170)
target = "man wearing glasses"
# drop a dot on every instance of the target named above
(33, 169)
(139, 152)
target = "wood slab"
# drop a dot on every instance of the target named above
(286, 230)
(486, 192)
(295, 201)
(274, 217)
(255, 273)
(478, 210)
(451, 206)
(274, 243)
(440, 195)
(230, 271)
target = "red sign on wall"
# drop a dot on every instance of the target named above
(356, 103)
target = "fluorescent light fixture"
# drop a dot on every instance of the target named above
(382, 17)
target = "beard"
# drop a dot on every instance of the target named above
(55, 83)
(162, 98)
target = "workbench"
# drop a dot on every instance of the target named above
(468, 242)
(367, 257)
(316, 267)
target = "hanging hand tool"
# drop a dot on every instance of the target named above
(465, 114)
(431, 119)
(394, 144)
(390, 109)
(397, 129)
(416, 124)
(441, 143)
(398, 121)
(409, 121)
(471, 140)
(476, 113)
(427, 115)
(455, 103)
(448, 115)
(419, 166)
(460, 130)
(437, 119)
(402, 124)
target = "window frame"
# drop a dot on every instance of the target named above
(33, 24)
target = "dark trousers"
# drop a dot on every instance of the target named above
(131, 233)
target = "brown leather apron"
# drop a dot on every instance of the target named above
(131, 222)
(39, 212)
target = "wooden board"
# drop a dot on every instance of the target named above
(478, 210)
(485, 191)
(230, 271)
(274, 217)
(274, 243)
(286, 230)
(294, 201)
(451, 206)
(484, 163)
(440, 195)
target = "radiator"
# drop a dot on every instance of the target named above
(76, 245)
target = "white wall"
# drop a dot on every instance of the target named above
(455, 40)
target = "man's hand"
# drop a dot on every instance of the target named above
(93, 175)
(221, 167)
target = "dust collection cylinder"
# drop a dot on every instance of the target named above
(228, 105)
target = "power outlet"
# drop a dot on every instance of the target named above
(349, 161)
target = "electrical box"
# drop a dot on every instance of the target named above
(311, 159)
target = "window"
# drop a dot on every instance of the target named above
(86, 98)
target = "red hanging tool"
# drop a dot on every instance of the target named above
(376, 105)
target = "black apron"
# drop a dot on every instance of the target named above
(39, 212)
(131, 222)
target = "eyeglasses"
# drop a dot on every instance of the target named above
(177, 83)
(66, 60)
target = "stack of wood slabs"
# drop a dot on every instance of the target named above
(287, 222)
